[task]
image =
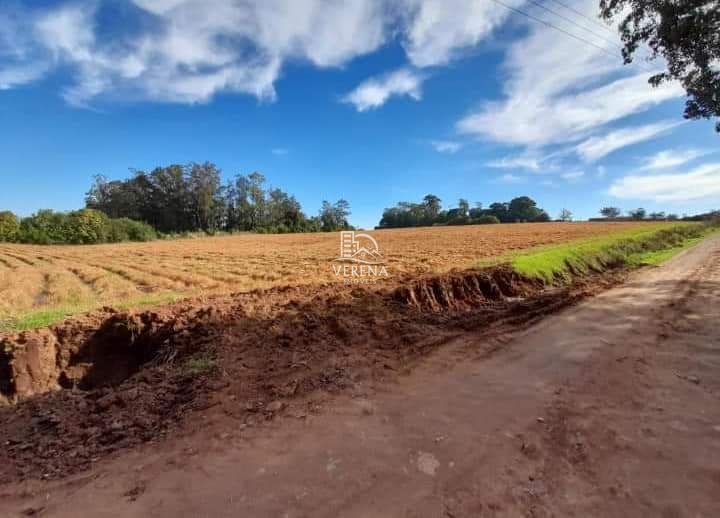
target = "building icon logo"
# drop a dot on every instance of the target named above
(359, 248)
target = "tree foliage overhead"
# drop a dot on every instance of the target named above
(429, 212)
(192, 197)
(686, 33)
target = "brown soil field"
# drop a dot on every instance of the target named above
(78, 278)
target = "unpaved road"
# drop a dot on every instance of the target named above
(606, 409)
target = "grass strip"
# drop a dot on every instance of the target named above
(558, 263)
(46, 317)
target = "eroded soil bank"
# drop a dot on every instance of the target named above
(90, 386)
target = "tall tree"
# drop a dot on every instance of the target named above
(463, 207)
(686, 33)
(433, 205)
(610, 212)
(204, 184)
(256, 195)
(637, 213)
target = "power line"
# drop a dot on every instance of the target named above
(573, 22)
(595, 21)
(553, 26)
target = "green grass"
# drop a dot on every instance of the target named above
(199, 366)
(46, 317)
(660, 256)
(558, 263)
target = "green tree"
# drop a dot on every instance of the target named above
(637, 214)
(686, 34)
(334, 216)
(610, 212)
(9, 226)
(658, 216)
(86, 226)
(203, 186)
(464, 207)
(433, 206)
(524, 208)
(565, 215)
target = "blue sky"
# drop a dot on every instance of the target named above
(375, 101)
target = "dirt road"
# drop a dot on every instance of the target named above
(609, 408)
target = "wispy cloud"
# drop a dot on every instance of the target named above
(672, 158)
(701, 182)
(595, 148)
(515, 162)
(280, 151)
(558, 91)
(446, 146)
(374, 92)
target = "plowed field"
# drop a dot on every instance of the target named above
(68, 279)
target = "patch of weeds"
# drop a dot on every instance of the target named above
(200, 365)
(34, 320)
(47, 317)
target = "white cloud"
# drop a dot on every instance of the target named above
(595, 148)
(446, 146)
(279, 151)
(672, 158)
(559, 90)
(189, 50)
(17, 75)
(438, 29)
(701, 182)
(374, 92)
(515, 162)
(19, 64)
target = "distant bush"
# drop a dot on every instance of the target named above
(124, 229)
(9, 226)
(86, 226)
(486, 220)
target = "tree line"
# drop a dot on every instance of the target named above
(192, 197)
(637, 214)
(430, 212)
(85, 226)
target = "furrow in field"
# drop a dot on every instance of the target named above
(20, 258)
(128, 272)
(194, 281)
(105, 286)
(7, 264)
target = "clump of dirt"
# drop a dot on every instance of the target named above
(461, 290)
(92, 385)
